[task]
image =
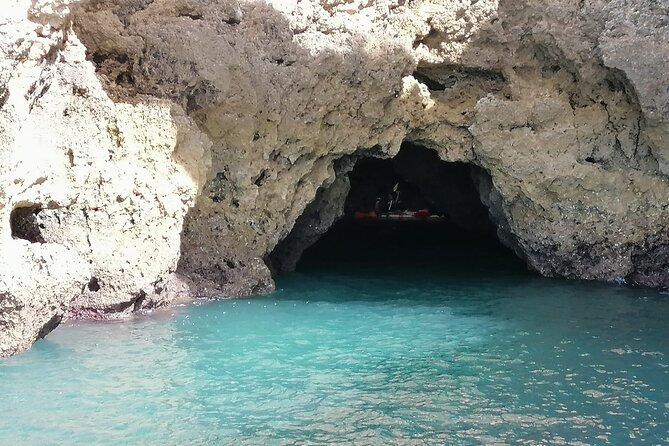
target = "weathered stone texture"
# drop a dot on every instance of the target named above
(97, 190)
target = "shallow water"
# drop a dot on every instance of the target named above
(354, 355)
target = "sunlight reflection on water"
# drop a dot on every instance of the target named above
(366, 359)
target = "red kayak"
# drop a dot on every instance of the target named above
(365, 215)
(421, 214)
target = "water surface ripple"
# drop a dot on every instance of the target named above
(358, 359)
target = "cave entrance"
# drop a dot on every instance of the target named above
(25, 224)
(410, 211)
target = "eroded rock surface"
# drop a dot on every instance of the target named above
(37, 285)
(326, 208)
(94, 192)
(171, 145)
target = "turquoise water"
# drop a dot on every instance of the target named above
(359, 354)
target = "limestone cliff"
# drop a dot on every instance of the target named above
(94, 192)
(156, 148)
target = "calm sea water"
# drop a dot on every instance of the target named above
(358, 354)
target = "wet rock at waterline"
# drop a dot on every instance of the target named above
(151, 150)
(36, 288)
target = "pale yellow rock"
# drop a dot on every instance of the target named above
(37, 284)
(109, 183)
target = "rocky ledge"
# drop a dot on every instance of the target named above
(152, 150)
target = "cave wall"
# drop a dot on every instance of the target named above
(172, 144)
(319, 216)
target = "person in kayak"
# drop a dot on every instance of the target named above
(392, 199)
(377, 205)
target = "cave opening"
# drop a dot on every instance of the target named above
(24, 223)
(412, 211)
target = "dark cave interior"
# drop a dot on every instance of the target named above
(25, 225)
(459, 235)
(419, 179)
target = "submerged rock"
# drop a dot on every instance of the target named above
(170, 145)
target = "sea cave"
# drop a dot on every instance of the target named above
(409, 211)
(334, 222)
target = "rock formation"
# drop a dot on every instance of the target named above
(94, 192)
(152, 149)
